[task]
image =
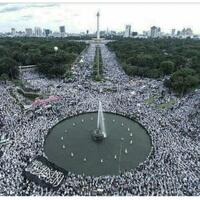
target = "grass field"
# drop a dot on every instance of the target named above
(151, 101)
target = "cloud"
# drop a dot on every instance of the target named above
(26, 17)
(3, 4)
(12, 8)
(57, 20)
(16, 7)
(43, 5)
(76, 15)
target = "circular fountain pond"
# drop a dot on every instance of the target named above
(69, 145)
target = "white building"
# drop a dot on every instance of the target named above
(188, 32)
(127, 32)
(38, 32)
(155, 32)
(173, 32)
(56, 34)
(29, 32)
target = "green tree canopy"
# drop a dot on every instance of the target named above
(9, 66)
(167, 67)
(4, 77)
(183, 80)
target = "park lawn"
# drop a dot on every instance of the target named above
(166, 105)
(151, 100)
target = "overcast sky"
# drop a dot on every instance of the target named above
(80, 17)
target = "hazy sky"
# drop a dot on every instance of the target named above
(80, 17)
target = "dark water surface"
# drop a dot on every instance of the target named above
(73, 136)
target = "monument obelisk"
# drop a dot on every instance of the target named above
(98, 34)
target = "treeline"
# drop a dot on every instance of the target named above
(98, 65)
(155, 58)
(38, 51)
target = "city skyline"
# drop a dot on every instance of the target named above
(81, 17)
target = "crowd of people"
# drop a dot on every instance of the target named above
(172, 168)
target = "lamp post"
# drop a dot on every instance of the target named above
(55, 49)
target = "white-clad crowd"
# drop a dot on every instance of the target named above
(173, 168)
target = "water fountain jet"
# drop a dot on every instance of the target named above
(100, 120)
(100, 133)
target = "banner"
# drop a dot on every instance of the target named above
(45, 173)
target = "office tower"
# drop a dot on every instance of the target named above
(13, 31)
(38, 32)
(155, 32)
(127, 32)
(62, 31)
(28, 32)
(173, 32)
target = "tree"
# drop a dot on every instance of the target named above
(19, 57)
(34, 56)
(3, 51)
(157, 57)
(132, 60)
(183, 80)
(191, 52)
(130, 70)
(144, 60)
(68, 74)
(38, 51)
(153, 73)
(9, 66)
(4, 77)
(52, 65)
(167, 67)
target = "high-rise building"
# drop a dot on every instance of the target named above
(62, 31)
(102, 33)
(107, 32)
(145, 33)
(38, 32)
(127, 32)
(28, 32)
(134, 33)
(188, 32)
(173, 32)
(56, 34)
(183, 32)
(155, 32)
(113, 33)
(179, 33)
(13, 31)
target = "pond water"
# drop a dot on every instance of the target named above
(69, 145)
